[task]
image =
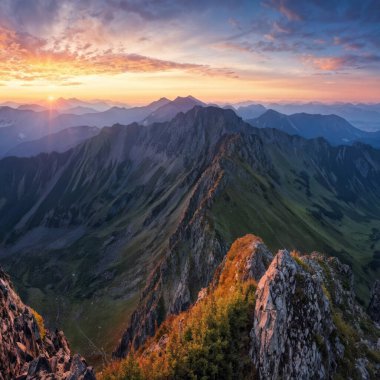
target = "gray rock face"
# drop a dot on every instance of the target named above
(258, 263)
(374, 304)
(28, 352)
(292, 320)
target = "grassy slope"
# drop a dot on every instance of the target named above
(287, 215)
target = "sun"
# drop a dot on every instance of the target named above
(51, 98)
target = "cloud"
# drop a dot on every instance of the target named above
(324, 63)
(27, 58)
(342, 62)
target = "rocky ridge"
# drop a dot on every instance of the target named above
(140, 199)
(185, 269)
(28, 350)
(305, 322)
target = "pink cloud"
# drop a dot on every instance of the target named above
(27, 58)
(324, 63)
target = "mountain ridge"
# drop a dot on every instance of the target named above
(263, 316)
(333, 128)
(109, 209)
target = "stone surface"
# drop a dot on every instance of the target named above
(28, 353)
(291, 316)
(374, 304)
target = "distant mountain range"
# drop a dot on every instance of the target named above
(22, 125)
(133, 222)
(362, 116)
(334, 129)
(55, 142)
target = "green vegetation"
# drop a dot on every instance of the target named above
(210, 341)
(273, 206)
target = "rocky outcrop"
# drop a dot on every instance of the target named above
(292, 316)
(307, 323)
(374, 304)
(303, 321)
(29, 351)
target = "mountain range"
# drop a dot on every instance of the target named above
(21, 125)
(110, 237)
(56, 142)
(334, 129)
(361, 115)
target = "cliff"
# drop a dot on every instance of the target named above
(265, 316)
(27, 349)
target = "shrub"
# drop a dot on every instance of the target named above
(40, 323)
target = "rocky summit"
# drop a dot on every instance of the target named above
(264, 316)
(27, 349)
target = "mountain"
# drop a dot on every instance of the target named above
(333, 128)
(28, 350)
(363, 116)
(80, 110)
(167, 111)
(127, 227)
(63, 105)
(10, 104)
(56, 142)
(19, 125)
(251, 111)
(112, 116)
(32, 107)
(371, 138)
(265, 316)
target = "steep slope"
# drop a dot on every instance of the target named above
(261, 317)
(27, 349)
(259, 186)
(123, 221)
(55, 142)
(87, 220)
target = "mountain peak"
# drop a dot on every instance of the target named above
(271, 113)
(188, 99)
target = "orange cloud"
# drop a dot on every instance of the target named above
(28, 58)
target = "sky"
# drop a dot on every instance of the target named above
(217, 50)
